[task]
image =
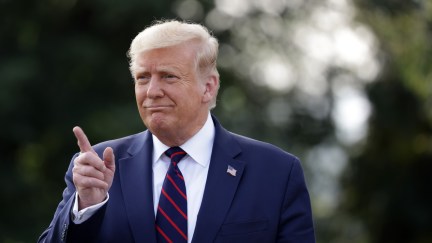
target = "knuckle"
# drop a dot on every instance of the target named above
(76, 161)
(79, 169)
(87, 182)
(84, 156)
(76, 179)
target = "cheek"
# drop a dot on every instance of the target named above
(140, 95)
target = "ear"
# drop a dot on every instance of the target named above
(210, 88)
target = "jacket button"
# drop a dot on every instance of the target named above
(64, 232)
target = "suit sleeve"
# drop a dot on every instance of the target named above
(296, 224)
(61, 228)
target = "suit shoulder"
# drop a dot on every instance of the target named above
(121, 144)
(260, 148)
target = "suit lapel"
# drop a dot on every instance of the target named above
(136, 178)
(220, 186)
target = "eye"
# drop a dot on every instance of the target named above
(170, 77)
(142, 78)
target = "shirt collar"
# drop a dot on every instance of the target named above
(198, 147)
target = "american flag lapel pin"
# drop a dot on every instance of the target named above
(231, 170)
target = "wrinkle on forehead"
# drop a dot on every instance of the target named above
(188, 49)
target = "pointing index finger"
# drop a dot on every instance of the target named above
(83, 142)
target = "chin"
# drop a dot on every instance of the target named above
(157, 124)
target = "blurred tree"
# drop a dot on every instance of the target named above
(388, 184)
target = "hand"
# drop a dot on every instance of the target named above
(92, 176)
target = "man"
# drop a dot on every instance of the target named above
(215, 187)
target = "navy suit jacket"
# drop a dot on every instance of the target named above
(266, 201)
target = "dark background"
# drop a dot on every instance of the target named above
(63, 63)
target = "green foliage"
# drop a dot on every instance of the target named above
(387, 185)
(404, 28)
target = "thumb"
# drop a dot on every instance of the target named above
(109, 158)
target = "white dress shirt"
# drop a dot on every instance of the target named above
(194, 167)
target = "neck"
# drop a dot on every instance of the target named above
(180, 137)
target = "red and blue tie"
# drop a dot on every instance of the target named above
(171, 218)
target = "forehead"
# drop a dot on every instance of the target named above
(179, 56)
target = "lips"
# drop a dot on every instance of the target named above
(157, 107)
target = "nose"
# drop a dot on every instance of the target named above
(155, 89)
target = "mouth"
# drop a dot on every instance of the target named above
(155, 108)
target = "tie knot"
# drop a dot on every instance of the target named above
(175, 154)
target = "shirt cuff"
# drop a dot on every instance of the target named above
(82, 215)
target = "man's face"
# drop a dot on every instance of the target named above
(172, 100)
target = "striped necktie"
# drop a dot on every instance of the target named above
(171, 218)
